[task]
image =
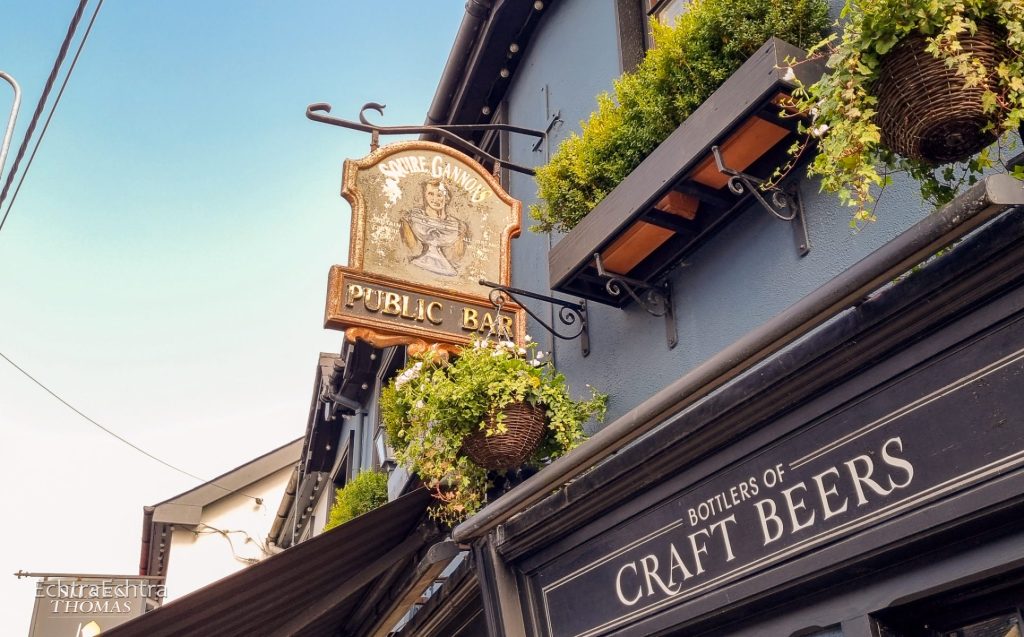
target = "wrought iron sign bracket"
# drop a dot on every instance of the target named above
(570, 314)
(318, 113)
(655, 299)
(784, 204)
(555, 119)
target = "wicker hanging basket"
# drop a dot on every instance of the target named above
(925, 111)
(525, 424)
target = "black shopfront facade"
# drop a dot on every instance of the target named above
(866, 480)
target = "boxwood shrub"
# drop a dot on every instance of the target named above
(688, 62)
(362, 494)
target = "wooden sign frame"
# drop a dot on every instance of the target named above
(458, 290)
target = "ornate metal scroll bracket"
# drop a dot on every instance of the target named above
(655, 299)
(785, 204)
(571, 315)
(317, 113)
(555, 120)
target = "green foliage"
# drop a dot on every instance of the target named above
(851, 160)
(689, 61)
(432, 405)
(363, 494)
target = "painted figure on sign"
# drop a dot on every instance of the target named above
(439, 238)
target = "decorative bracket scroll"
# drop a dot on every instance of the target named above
(316, 112)
(555, 119)
(655, 299)
(785, 204)
(572, 315)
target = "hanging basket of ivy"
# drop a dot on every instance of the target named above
(914, 85)
(523, 426)
(496, 406)
(927, 111)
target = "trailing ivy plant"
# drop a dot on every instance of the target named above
(362, 494)
(433, 405)
(687, 63)
(851, 159)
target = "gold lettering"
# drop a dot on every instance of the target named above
(405, 308)
(430, 312)
(355, 292)
(505, 324)
(366, 300)
(470, 319)
(420, 313)
(487, 325)
(392, 304)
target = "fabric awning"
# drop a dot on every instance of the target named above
(309, 589)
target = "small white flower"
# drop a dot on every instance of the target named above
(790, 75)
(814, 112)
(508, 344)
(418, 366)
(529, 339)
(535, 363)
(522, 351)
(540, 355)
(419, 404)
(819, 130)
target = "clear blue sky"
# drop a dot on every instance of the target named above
(164, 267)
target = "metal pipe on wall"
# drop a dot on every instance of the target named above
(477, 12)
(283, 510)
(981, 203)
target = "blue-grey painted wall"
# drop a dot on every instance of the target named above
(745, 275)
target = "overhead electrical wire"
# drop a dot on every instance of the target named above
(42, 103)
(119, 437)
(53, 108)
(61, 55)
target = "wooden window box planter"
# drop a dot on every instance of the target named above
(677, 197)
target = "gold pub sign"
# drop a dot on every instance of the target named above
(428, 223)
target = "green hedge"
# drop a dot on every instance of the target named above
(363, 494)
(689, 61)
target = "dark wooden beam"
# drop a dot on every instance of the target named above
(716, 198)
(481, 84)
(373, 602)
(435, 560)
(500, 593)
(672, 222)
(677, 248)
(451, 610)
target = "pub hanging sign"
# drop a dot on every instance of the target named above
(428, 223)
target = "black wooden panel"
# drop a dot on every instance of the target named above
(949, 425)
(324, 444)
(632, 25)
